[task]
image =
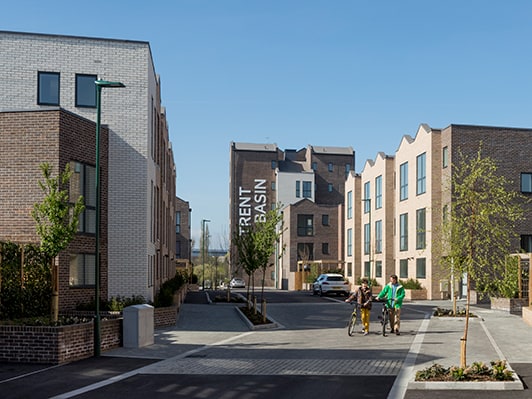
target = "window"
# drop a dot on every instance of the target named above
(48, 88)
(421, 173)
(273, 186)
(86, 91)
(82, 268)
(403, 268)
(298, 189)
(403, 181)
(178, 222)
(330, 167)
(378, 192)
(349, 204)
(421, 229)
(178, 249)
(325, 220)
(445, 157)
(526, 182)
(367, 269)
(378, 236)
(325, 248)
(274, 164)
(330, 187)
(307, 189)
(314, 166)
(367, 197)
(421, 268)
(403, 232)
(349, 242)
(305, 251)
(83, 182)
(305, 225)
(347, 169)
(378, 268)
(367, 238)
(349, 269)
(526, 243)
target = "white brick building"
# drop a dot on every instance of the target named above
(49, 71)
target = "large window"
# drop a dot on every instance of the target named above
(526, 243)
(349, 204)
(526, 182)
(378, 192)
(421, 174)
(367, 269)
(82, 269)
(298, 189)
(403, 232)
(83, 182)
(347, 169)
(421, 229)
(403, 181)
(325, 219)
(305, 251)
(86, 91)
(305, 225)
(330, 167)
(367, 238)
(421, 268)
(48, 88)
(403, 268)
(325, 248)
(378, 268)
(307, 189)
(378, 236)
(349, 242)
(367, 197)
(178, 222)
(445, 157)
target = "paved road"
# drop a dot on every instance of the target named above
(211, 353)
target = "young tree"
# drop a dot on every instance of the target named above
(479, 229)
(57, 222)
(257, 244)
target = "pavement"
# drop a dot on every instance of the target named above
(180, 349)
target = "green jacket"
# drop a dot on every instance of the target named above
(387, 292)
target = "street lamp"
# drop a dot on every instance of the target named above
(203, 222)
(99, 85)
(368, 201)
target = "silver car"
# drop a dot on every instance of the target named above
(237, 283)
(330, 283)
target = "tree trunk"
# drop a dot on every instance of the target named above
(55, 288)
(463, 340)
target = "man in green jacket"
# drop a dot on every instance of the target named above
(394, 293)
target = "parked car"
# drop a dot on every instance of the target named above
(330, 282)
(237, 283)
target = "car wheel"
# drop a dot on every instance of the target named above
(321, 292)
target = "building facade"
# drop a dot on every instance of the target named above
(403, 234)
(308, 184)
(59, 138)
(183, 245)
(53, 71)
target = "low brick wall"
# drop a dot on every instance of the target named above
(56, 345)
(415, 295)
(165, 317)
(512, 305)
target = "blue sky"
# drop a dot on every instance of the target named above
(296, 72)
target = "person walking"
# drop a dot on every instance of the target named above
(363, 297)
(394, 293)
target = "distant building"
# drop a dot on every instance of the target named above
(308, 184)
(53, 72)
(183, 245)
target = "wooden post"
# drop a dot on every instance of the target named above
(264, 310)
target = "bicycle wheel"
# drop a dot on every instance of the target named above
(351, 327)
(384, 320)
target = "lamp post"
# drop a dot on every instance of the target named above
(368, 201)
(99, 85)
(203, 222)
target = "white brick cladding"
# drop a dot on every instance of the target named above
(128, 113)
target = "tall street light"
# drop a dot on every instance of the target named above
(99, 85)
(368, 201)
(203, 222)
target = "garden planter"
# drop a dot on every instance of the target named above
(511, 305)
(415, 295)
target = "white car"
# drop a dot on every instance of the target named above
(330, 283)
(237, 283)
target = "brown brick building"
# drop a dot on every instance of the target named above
(58, 137)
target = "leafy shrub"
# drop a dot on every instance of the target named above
(411, 284)
(165, 296)
(478, 371)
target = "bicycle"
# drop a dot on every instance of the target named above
(353, 321)
(385, 318)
